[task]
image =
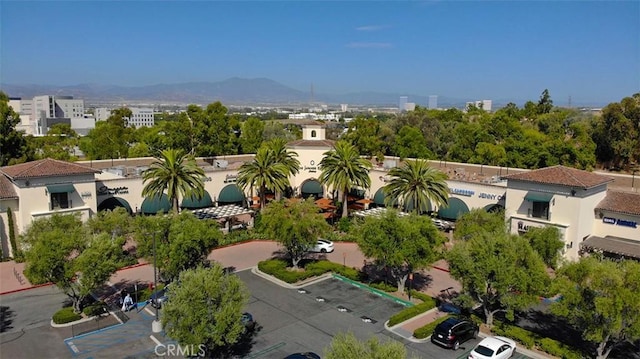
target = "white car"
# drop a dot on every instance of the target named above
(322, 246)
(494, 348)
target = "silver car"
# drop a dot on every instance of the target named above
(322, 246)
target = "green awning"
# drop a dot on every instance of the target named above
(493, 208)
(378, 198)
(153, 205)
(112, 203)
(195, 203)
(61, 188)
(538, 197)
(231, 194)
(408, 206)
(455, 209)
(313, 187)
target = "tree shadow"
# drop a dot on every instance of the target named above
(6, 318)
(242, 348)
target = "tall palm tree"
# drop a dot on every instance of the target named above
(344, 169)
(282, 155)
(418, 184)
(176, 173)
(265, 173)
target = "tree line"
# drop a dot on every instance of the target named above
(533, 136)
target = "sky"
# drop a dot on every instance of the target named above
(586, 50)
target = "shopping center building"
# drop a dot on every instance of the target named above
(591, 211)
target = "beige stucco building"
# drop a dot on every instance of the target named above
(588, 214)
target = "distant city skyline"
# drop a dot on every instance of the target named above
(584, 50)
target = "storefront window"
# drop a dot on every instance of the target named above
(540, 210)
(59, 200)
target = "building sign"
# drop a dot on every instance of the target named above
(490, 196)
(230, 178)
(85, 194)
(462, 192)
(620, 222)
(312, 168)
(104, 190)
(524, 226)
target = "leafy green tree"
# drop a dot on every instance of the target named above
(347, 346)
(110, 138)
(600, 298)
(59, 143)
(182, 242)
(617, 133)
(178, 134)
(206, 309)
(176, 173)
(116, 223)
(12, 143)
(546, 241)
(265, 173)
(489, 154)
(214, 133)
(343, 169)
(295, 225)
(545, 104)
(415, 184)
(365, 135)
(273, 130)
(479, 221)
(251, 136)
(410, 143)
(59, 250)
(403, 244)
(500, 272)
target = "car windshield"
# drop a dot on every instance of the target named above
(446, 325)
(482, 350)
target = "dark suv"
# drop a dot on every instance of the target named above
(453, 332)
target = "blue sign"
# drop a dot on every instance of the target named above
(462, 192)
(620, 222)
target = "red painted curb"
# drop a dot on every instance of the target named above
(23, 289)
(442, 269)
(132, 266)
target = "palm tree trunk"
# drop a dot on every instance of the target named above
(345, 210)
(263, 197)
(176, 208)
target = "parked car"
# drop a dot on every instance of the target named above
(494, 348)
(159, 297)
(307, 355)
(248, 322)
(450, 308)
(322, 246)
(453, 332)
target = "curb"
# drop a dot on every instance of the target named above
(411, 338)
(83, 320)
(27, 288)
(284, 284)
(373, 290)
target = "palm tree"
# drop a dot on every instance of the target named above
(282, 155)
(176, 173)
(344, 169)
(418, 184)
(265, 173)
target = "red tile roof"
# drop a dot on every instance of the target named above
(45, 168)
(621, 202)
(6, 188)
(561, 175)
(311, 143)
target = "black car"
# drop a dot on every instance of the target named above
(453, 332)
(159, 297)
(307, 355)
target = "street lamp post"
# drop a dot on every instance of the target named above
(156, 325)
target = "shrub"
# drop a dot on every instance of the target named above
(558, 349)
(344, 224)
(143, 293)
(411, 312)
(426, 330)
(65, 315)
(524, 337)
(95, 309)
(384, 287)
(17, 253)
(421, 296)
(278, 269)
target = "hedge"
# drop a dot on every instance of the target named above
(65, 315)
(95, 309)
(426, 330)
(558, 349)
(520, 335)
(530, 340)
(278, 268)
(384, 287)
(421, 296)
(411, 312)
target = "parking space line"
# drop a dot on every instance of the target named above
(267, 350)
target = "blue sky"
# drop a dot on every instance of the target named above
(463, 49)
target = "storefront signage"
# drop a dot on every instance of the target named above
(104, 190)
(230, 178)
(311, 169)
(462, 192)
(85, 194)
(490, 196)
(620, 222)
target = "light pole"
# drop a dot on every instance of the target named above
(156, 325)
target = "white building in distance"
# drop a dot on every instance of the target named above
(140, 116)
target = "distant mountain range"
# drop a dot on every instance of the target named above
(233, 91)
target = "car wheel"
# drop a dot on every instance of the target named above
(456, 345)
(323, 250)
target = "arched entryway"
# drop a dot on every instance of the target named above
(494, 208)
(311, 188)
(153, 205)
(454, 210)
(112, 203)
(231, 194)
